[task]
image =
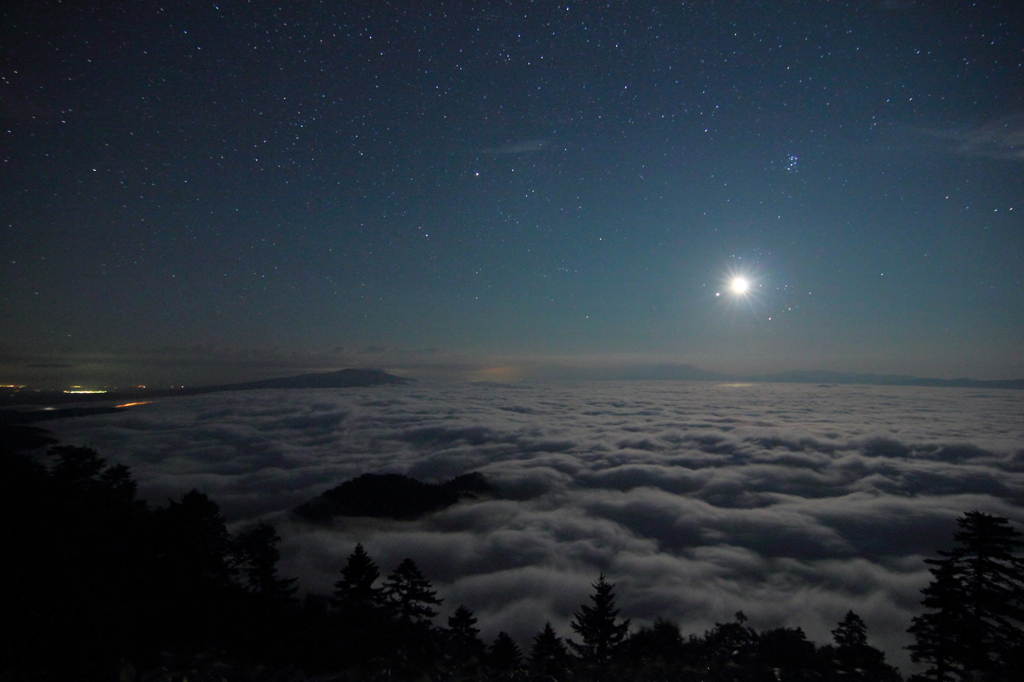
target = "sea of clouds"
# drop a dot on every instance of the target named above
(793, 503)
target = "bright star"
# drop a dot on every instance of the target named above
(740, 285)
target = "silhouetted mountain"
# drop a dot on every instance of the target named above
(343, 378)
(391, 496)
(17, 437)
(826, 377)
(677, 372)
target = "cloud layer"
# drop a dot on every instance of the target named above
(791, 502)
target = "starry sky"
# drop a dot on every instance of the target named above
(223, 189)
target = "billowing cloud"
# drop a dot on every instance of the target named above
(791, 502)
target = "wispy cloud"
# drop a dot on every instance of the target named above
(1002, 138)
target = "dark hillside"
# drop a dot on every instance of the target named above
(392, 496)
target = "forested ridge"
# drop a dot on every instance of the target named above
(101, 586)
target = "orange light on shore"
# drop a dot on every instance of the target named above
(144, 402)
(81, 391)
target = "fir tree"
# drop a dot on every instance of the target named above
(255, 557)
(463, 634)
(466, 650)
(355, 589)
(462, 624)
(975, 602)
(853, 657)
(192, 554)
(549, 659)
(937, 633)
(598, 625)
(851, 633)
(410, 594)
(504, 658)
(196, 543)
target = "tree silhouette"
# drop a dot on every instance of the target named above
(355, 589)
(255, 556)
(853, 657)
(729, 644)
(77, 575)
(504, 658)
(598, 625)
(656, 651)
(464, 636)
(549, 659)
(937, 634)
(192, 551)
(197, 541)
(464, 650)
(975, 602)
(851, 633)
(410, 594)
(788, 651)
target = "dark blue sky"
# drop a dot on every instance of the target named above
(228, 188)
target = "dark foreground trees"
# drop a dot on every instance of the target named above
(598, 626)
(974, 626)
(98, 583)
(852, 656)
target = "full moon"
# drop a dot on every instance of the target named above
(740, 285)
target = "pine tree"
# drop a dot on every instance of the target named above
(549, 659)
(466, 650)
(410, 594)
(505, 658)
(462, 624)
(854, 658)
(851, 633)
(597, 625)
(937, 634)
(355, 589)
(192, 554)
(976, 602)
(196, 543)
(255, 556)
(463, 634)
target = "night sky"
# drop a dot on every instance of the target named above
(494, 189)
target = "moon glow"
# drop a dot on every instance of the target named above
(739, 285)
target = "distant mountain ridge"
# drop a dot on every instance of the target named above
(821, 376)
(683, 372)
(361, 378)
(828, 377)
(342, 378)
